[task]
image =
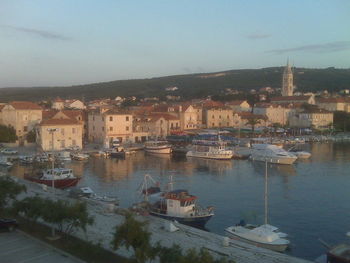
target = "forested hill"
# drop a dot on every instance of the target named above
(189, 86)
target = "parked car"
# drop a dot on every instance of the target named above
(9, 151)
(8, 224)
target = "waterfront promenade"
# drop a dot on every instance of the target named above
(187, 237)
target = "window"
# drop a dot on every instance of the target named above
(127, 128)
(110, 118)
(103, 118)
(127, 118)
(62, 143)
(73, 130)
(74, 142)
(212, 116)
(93, 118)
(110, 128)
(25, 128)
(219, 116)
(103, 128)
(93, 128)
(62, 131)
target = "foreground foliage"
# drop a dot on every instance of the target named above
(68, 217)
(9, 189)
(134, 234)
(7, 134)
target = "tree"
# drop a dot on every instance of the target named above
(31, 136)
(68, 217)
(133, 233)
(7, 134)
(9, 189)
(253, 122)
(341, 121)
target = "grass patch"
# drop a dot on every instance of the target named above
(79, 248)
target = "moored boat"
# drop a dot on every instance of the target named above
(158, 147)
(58, 178)
(176, 205)
(271, 154)
(210, 150)
(4, 161)
(79, 156)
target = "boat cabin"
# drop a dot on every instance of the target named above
(179, 203)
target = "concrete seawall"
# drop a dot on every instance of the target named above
(186, 237)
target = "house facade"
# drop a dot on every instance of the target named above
(22, 116)
(216, 117)
(314, 118)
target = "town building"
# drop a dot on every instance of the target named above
(22, 116)
(334, 104)
(275, 113)
(312, 118)
(58, 104)
(239, 105)
(190, 117)
(74, 104)
(294, 99)
(59, 132)
(113, 124)
(217, 117)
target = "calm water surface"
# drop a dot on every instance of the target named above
(308, 200)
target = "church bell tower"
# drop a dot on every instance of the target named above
(287, 81)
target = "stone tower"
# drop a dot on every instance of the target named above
(287, 81)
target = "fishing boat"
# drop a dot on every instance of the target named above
(63, 156)
(271, 154)
(265, 235)
(57, 177)
(117, 152)
(210, 150)
(176, 205)
(158, 147)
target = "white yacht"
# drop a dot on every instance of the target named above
(4, 161)
(259, 236)
(158, 147)
(210, 150)
(265, 235)
(271, 154)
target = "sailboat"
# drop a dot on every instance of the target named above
(265, 235)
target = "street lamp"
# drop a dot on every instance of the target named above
(52, 131)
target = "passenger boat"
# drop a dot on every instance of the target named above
(271, 154)
(210, 150)
(63, 156)
(158, 147)
(176, 205)
(58, 178)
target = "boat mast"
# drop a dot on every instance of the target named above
(265, 197)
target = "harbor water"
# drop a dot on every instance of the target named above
(309, 200)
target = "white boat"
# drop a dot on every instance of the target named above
(301, 154)
(63, 156)
(213, 150)
(5, 162)
(26, 159)
(271, 154)
(158, 147)
(9, 151)
(265, 235)
(79, 156)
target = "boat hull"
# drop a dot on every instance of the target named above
(209, 155)
(117, 154)
(62, 183)
(165, 150)
(274, 247)
(276, 160)
(198, 222)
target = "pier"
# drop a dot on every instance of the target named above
(107, 217)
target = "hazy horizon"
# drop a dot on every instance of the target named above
(65, 43)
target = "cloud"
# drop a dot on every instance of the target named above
(316, 48)
(37, 32)
(258, 36)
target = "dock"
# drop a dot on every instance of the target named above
(107, 218)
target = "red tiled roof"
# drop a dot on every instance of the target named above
(2, 106)
(48, 114)
(333, 100)
(25, 105)
(212, 103)
(291, 98)
(59, 122)
(249, 115)
(235, 102)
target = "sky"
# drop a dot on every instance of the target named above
(69, 42)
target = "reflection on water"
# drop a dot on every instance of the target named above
(305, 199)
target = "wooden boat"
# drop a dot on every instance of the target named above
(158, 147)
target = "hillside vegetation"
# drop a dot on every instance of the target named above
(189, 86)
